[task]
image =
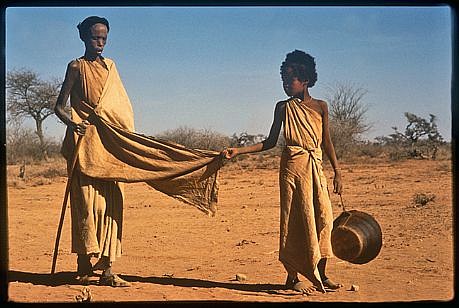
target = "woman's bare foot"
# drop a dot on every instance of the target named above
(331, 285)
(102, 264)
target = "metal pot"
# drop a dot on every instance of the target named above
(356, 237)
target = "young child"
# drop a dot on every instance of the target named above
(306, 219)
(96, 205)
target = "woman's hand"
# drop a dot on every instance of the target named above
(80, 128)
(337, 183)
(229, 153)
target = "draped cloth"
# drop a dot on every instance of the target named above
(111, 153)
(306, 218)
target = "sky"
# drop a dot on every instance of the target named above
(217, 68)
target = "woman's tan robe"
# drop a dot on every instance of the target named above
(306, 218)
(112, 153)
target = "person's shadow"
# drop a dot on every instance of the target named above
(68, 278)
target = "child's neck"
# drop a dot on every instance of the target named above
(304, 96)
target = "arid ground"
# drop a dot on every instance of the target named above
(173, 252)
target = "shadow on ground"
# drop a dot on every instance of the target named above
(68, 278)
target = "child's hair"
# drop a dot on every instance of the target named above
(303, 66)
(84, 27)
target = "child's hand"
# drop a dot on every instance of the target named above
(229, 153)
(337, 183)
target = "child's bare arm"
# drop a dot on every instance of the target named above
(266, 144)
(330, 149)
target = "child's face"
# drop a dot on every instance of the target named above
(292, 86)
(96, 40)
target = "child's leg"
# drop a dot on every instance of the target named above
(294, 283)
(292, 277)
(327, 282)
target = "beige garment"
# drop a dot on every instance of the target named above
(97, 216)
(306, 215)
(111, 153)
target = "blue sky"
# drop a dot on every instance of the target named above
(218, 67)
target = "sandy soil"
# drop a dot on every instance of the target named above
(173, 252)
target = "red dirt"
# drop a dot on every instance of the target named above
(173, 252)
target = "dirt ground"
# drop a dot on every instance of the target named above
(173, 252)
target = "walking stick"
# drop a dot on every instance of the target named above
(64, 204)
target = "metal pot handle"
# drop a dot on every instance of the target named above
(342, 203)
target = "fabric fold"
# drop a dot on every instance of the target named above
(189, 175)
(306, 215)
(110, 149)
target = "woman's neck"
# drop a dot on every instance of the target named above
(91, 56)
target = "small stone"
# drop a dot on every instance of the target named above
(85, 296)
(241, 277)
(355, 288)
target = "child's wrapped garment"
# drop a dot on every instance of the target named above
(306, 214)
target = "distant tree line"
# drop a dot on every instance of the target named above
(29, 96)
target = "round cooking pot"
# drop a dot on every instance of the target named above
(356, 237)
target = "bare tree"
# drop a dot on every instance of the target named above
(421, 138)
(347, 116)
(30, 97)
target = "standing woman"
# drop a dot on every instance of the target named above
(306, 218)
(96, 205)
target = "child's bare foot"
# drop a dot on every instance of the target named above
(299, 286)
(331, 285)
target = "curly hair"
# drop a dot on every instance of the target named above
(84, 27)
(302, 65)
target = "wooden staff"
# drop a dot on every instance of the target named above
(64, 204)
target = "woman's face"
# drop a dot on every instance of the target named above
(96, 40)
(292, 86)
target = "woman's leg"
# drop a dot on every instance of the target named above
(84, 268)
(108, 278)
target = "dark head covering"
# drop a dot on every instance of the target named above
(84, 27)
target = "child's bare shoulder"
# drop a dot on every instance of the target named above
(321, 102)
(281, 104)
(323, 105)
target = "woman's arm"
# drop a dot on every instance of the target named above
(330, 149)
(71, 76)
(266, 144)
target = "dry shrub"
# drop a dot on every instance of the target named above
(52, 172)
(196, 139)
(444, 167)
(267, 161)
(17, 183)
(24, 145)
(444, 151)
(369, 149)
(37, 173)
(421, 199)
(390, 151)
(41, 181)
